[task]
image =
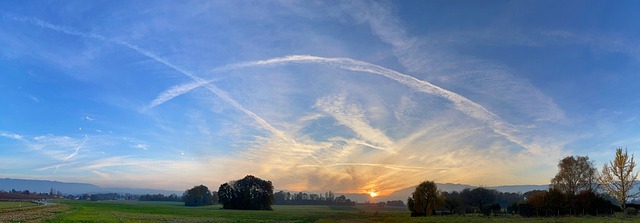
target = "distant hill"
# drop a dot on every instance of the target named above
(44, 186)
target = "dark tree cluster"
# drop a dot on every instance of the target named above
(573, 190)
(554, 202)
(301, 198)
(24, 192)
(479, 200)
(198, 196)
(426, 200)
(105, 197)
(396, 203)
(22, 195)
(159, 197)
(249, 193)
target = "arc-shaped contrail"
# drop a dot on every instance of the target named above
(460, 102)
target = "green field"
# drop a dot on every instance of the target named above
(135, 211)
(15, 204)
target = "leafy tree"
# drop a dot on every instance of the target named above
(214, 197)
(250, 193)
(479, 197)
(197, 196)
(495, 209)
(618, 178)
(575, 174)
(423, 200)
(157, 197)
(279, 197)
(395, 203)
(537, 200)
(286, 198)
(451, 201)
(555, 202)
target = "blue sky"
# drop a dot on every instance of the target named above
(349, 96)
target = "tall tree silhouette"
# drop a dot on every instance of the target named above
(250, 193)
(197, 196)
(618, 178)
(423, 200)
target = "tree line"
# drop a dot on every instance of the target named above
(577, 189)
(301, 198)
(249, 193)
(159, 197)
(252, 193)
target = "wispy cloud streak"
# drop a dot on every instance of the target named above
(77, 149)
(352, 116)
(12, 136)
(173, 92)
(460, 103)
(387, 166)
(198, 80)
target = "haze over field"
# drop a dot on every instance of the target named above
(348, 96)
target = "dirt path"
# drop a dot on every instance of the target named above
(32, 214)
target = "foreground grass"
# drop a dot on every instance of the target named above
(135, 211)
(33, 213)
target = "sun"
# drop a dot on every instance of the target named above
(373, 194)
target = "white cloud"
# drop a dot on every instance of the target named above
(141, 146)
(11, 136)
(352, 116)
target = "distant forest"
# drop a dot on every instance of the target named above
(301, 198)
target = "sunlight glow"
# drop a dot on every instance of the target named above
(373, 194)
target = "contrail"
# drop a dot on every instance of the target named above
(77, 149)
(213, 88)
(200, 81)
(460, 102)
(174, 92)
(72, 154)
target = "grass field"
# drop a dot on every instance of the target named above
(134, 211)
(35, 213)
(15, 204)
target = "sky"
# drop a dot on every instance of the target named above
(347, 96)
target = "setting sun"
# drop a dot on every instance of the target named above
(373, 194)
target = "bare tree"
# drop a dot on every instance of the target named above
(575, 174)
(618, 177)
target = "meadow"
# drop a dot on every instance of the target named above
(15, 204)
(148, 211)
